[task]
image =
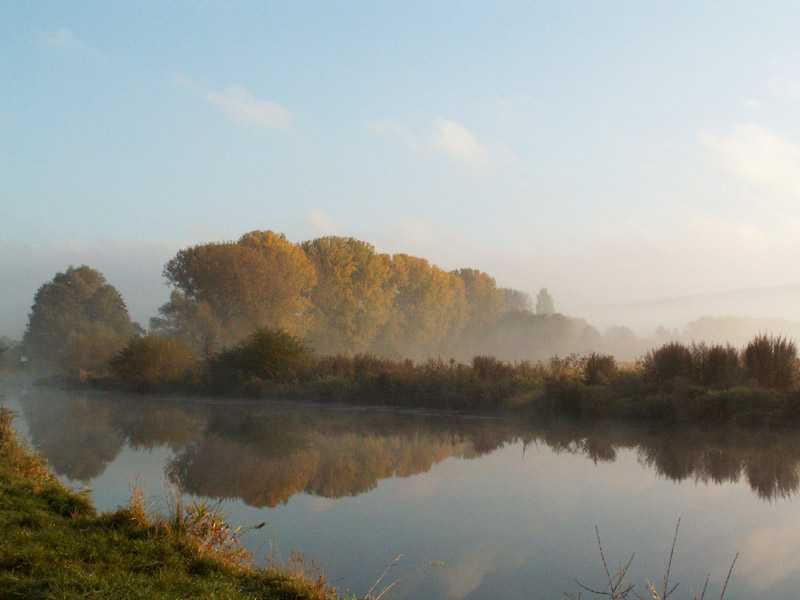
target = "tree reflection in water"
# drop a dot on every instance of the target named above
(266, 453)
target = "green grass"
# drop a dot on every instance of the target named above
(56, 546)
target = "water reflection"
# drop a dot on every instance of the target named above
(266, 453)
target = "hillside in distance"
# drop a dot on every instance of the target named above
(745, 312)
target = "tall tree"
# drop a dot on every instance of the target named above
(485, 305)
(77, 320)
(429, 306)
(224, 291)
(544, 303)
(352, 299)
(516, 300)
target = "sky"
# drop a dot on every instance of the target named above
(612, 152)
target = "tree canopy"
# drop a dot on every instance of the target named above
(337, 293)
(77, 320)
(223, 291)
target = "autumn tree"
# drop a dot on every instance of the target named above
(428, 306)
(352, 299)
(77, 320)
(223, 291)
(485, 305)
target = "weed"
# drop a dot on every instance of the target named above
(420, 569)
(617, 587)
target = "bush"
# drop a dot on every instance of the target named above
(667, 362)
(152, 362)
(771, 362)
(716, 366)
(491, 368)
(598, 368)
(270, 354)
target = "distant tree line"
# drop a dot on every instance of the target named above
(337, 294)
(342, 296)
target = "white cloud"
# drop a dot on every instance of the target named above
(459, 143)
(322, 224)
(448, 138)
(758, 156)
(770, 554)
(240, 104)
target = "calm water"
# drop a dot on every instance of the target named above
(508, 506)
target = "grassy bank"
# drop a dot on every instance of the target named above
(55, 545)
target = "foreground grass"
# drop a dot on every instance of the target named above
(55, 545)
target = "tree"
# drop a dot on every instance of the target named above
(78, 320)
(428, 306)
(544, 303)
(485, 305)
(516, 300)
(352, 299)
(225, 291)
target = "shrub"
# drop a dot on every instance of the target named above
(152, 362)
(491, 368)
(716, 365)
(562, 369)
(771, 362)
(270, 354)
(667, 362)
(598, 368)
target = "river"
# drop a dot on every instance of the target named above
(510, 507)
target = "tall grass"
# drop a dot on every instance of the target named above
(617, 586)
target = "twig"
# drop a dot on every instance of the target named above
(728, 578)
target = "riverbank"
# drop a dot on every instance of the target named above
(673, 385)
(56, 545)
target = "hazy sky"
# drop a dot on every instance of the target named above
(611, 151)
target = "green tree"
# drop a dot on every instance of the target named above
(77, 320)
(352, 299)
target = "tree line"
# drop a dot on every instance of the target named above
(338, 294)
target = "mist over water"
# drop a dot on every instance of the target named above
(505, 504)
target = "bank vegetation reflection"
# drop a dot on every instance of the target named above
(264, 454)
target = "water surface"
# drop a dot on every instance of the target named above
(509, 506)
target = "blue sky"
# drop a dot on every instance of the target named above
(611, 151)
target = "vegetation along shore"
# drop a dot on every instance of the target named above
(674, 384)
(56, 545)
(333, 320)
